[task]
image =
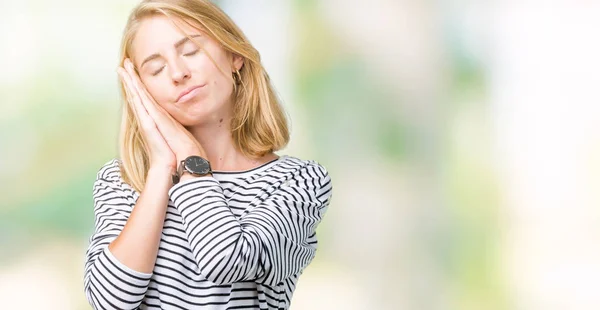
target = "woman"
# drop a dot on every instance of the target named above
(199, 212)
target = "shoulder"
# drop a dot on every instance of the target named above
(110, 172)
(309, 175)
(306, 168)
(109, 190)
(108, 178)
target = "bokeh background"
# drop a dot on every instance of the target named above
(462, 136)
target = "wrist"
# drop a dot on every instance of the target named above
(188, 176)
(191, 167)
(160, 169)
(161, 173)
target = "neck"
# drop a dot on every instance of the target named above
(219, 149)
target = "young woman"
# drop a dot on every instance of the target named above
(198, 211)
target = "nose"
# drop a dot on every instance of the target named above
(179, 71)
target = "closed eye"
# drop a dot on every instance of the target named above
(191, 53)
(158, 71)
(187, 54)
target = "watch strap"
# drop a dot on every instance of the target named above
(177, 176)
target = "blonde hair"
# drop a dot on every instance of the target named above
(258, 126)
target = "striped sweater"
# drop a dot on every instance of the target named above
(236, 240)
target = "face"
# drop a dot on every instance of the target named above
(180, 75)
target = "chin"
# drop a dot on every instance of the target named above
(192, 120)
(202, 113)
(192, 117)
(188, 121)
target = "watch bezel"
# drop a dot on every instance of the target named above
(192, 161)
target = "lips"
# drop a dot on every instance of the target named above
(189, 93)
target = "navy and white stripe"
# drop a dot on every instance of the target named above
(230, 241)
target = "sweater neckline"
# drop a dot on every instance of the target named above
(250, 171)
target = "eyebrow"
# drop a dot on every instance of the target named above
(176, 45)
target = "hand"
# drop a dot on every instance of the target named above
(168, 141)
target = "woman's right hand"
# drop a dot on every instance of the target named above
(160, 153)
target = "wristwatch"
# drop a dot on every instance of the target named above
(195, 165)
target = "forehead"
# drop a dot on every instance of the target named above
(158, 32)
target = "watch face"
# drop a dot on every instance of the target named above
(197, 165)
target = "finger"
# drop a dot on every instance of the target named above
(146, 99)
(134, 100)
(128, 93)
(133, 97)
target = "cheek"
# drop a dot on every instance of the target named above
(221, 85)
(160, 96)
(157, 92)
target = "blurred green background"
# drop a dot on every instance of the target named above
(463, 139)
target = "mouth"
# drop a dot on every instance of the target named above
(190, 93)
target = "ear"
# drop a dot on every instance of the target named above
(238, 62)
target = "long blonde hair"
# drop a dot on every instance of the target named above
(258, 126)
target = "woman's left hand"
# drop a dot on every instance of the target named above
(181, 141)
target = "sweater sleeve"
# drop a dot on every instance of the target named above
(274, 240)
(108, 283)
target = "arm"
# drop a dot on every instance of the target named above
(123, 248)
(268, 244)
